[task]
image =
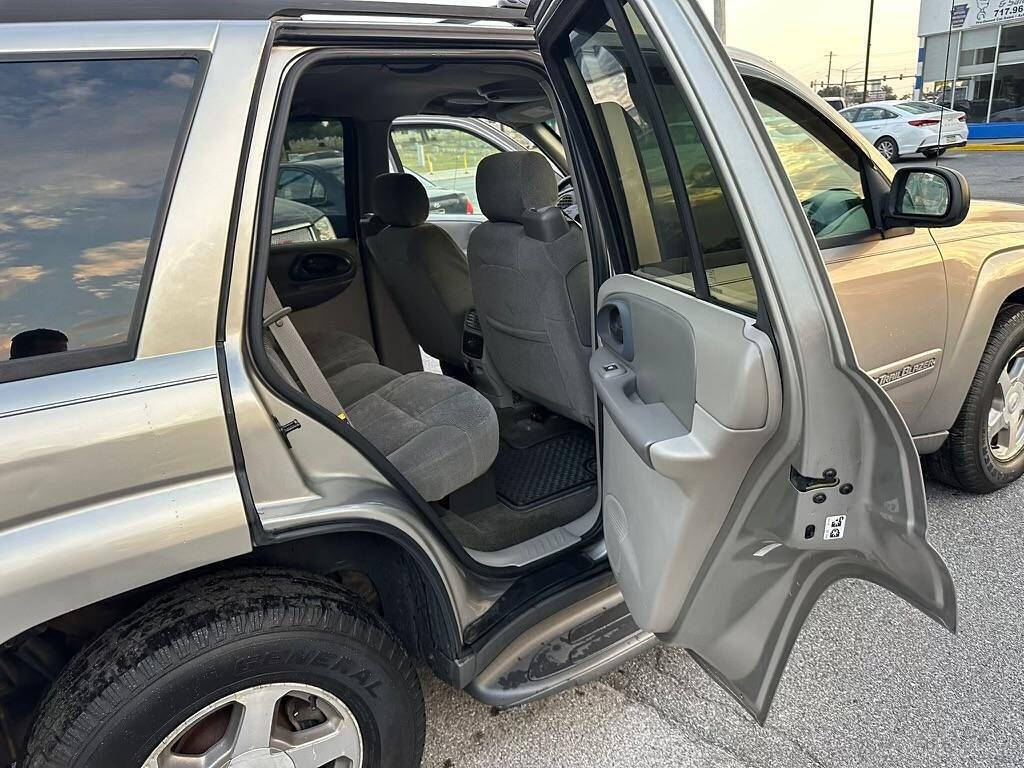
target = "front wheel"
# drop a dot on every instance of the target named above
(931, 154)
(888, 148)
(985, 448)
(250, 668)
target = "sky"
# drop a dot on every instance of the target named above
(798, 34)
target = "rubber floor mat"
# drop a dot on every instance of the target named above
(527, 476)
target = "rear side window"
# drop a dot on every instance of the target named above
(87, 150)
(311, 202)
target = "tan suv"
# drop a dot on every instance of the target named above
(236, 513)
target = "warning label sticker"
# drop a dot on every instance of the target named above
(834, 527)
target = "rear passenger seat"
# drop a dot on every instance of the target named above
(438, 432)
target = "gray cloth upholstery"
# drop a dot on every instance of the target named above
(438, 432)
(533, 301)
(334, 351)
(508, 183)
(357, 381)
(399, 199)
(426, 274)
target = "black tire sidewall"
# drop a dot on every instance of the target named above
(999, 474)
(362, 679)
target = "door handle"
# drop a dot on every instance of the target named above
(641, 423)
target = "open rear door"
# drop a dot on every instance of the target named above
(748, 462)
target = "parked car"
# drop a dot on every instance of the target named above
(319, 184)
(836, 102)
(295, 222)
(237, 515)
(900, 128)
(441, 200)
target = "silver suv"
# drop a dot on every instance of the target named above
(237, 513)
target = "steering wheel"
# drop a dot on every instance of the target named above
(816, 203)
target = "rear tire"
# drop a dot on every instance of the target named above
(931, 154)
(153, 687)
(967, 460)
(888, 148)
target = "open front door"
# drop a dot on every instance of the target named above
(748, 462)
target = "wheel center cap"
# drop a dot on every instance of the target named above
(262, 758)
(1013, 400)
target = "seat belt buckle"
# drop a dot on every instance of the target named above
(275, 317)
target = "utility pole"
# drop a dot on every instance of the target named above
(720, 18)
(867, 55)
(828, 79)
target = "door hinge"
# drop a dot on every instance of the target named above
(284, 429)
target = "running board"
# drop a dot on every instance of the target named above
(572, 647)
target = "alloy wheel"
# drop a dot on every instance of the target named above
(280, 725)
(887, 149)
(1006, 413)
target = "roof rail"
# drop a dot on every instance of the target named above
(27, 11)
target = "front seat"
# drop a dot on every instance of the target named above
(424, 270)
(531, 286)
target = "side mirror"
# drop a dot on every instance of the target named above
(927, 197)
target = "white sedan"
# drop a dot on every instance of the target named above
(899, 128)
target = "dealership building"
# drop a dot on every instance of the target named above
(979, 67)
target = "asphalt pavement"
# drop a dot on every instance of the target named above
(871, 682)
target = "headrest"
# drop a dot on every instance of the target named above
(509, 183)
(399, 199)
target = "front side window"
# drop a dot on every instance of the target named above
(625, 113)
(86, 147)
(824, 169)
(444, 160)
(300, 185)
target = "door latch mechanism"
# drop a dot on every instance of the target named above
(284, 429)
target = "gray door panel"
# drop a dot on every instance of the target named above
(792, 469)
(687, 408)
(306, 275)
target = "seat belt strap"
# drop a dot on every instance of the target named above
(295, 351)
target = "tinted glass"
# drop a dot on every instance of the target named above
(625, 113)
(1008, 94)
(977, 56)
(873, 113)
(312, 180)
(86, 147)
(444, 160)
(824, 169)
(918, 107)
(300, 185)
(1012, 39)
